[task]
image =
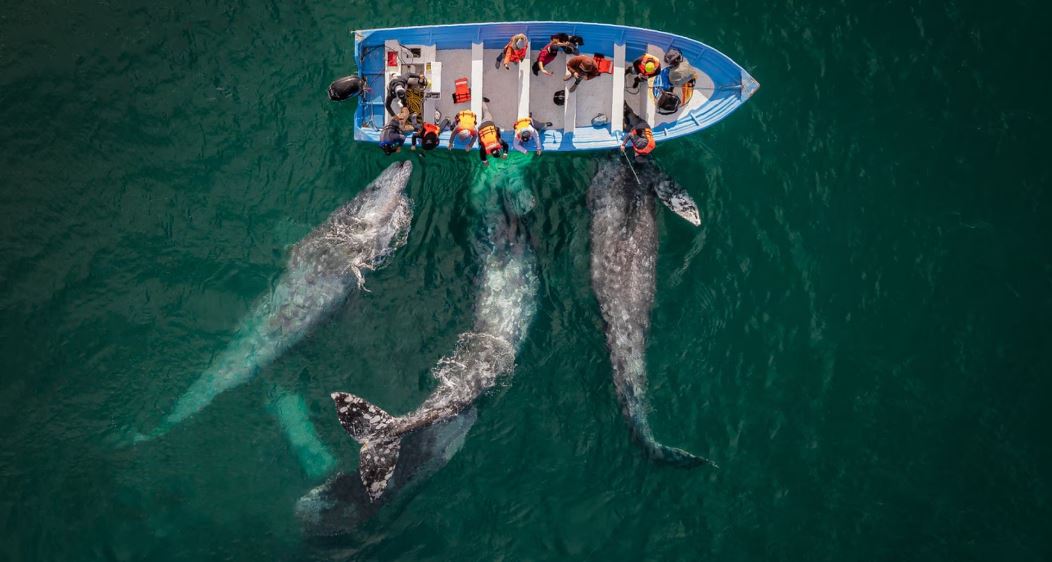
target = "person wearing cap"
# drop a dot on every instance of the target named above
(514, 52)
(580, 68)
(639, 134)
(525, 130)
(645, 67)
(680, 71)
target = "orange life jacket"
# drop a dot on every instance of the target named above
(522, 124)
(650, 143)
(466, 120)
(488, 138)
(512, 54)
(430, 129)
(688, 91)
(641, 66)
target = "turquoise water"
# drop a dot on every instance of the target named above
(858, 334)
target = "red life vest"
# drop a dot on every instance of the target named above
(430, 129)
(514, 55)
(647, 134)
(488, 137)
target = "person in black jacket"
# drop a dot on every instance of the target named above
(399, 88)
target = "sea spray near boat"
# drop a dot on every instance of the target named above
(323, 269)
(503, 312)
(624, 258)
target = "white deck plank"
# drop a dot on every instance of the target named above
(650, 104)
(617, 102)
(389, 73)
(523, 110)
(570, 108)
(477, 62)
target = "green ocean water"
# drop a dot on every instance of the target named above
(859, 334)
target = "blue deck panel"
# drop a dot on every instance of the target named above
(733, 85)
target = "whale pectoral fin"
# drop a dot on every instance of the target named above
(372, 427)
(678, 200)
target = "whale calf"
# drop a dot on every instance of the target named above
(503, 312)
(623, 263)
(323, 269)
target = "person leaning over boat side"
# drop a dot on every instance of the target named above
(514, 52)
(548, 53)
(526, 129)
(645, 67)
(464, 125)
(392, 136)
(639, 133)
(490, 143)
(580, 68)
(399, 88)
(427, 134)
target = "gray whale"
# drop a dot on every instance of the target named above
(323, 269)
(624, 249)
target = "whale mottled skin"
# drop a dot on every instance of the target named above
(624, 258)
(341, 504)
(503, 312)
(323, 269)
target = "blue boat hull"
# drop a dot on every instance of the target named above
(724, 87)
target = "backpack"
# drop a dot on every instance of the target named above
(667, 103)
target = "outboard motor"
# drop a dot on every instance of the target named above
(346, 87)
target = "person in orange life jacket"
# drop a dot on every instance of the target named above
(548, 53)
(427, 134)
(464, 126)
(515, 51)
(398, 87)
(646, 66)
(526, 129)
(639, 133)
(490, 143)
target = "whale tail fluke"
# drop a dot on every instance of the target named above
(372, 427)
(663, 453)
(676, 456)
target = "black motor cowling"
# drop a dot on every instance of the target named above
(346, 87)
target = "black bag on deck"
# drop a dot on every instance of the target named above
(668, 102)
